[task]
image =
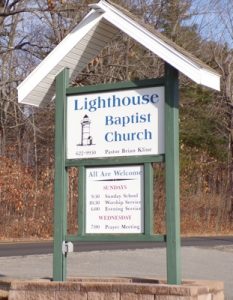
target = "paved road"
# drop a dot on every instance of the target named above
(46, 247)
(212, 261)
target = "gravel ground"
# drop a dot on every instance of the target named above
(197, 263)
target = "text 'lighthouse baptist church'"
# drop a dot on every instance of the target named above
(119, 121)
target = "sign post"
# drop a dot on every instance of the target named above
(61, 178)
(172, 174)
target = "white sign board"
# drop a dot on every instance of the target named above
(120, 123)
(115, 199)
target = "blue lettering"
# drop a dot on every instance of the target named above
(116, 101)
(91, 105)
(76, 106)
(145, 99)
(147, 134)
(108, 120)
(126, 101)
(134, 102)
(130, 136)
(125, 121)
(108, 137)
(154, 98)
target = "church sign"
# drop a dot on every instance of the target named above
(116, 123)
(114, 134)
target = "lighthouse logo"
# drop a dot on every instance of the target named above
(86, 138)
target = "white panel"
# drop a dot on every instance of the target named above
(101, 38)
(106, 29)
(96, 42)
(121, 126)
(32, 99)
(70, 60)
(41, 89)
(115, 200)
(45, 84)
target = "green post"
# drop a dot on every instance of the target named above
(61, 178)
(148, 201)
(81, 204)
(172, 175)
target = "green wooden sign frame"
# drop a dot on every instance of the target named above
(130, 160)
(171, 159)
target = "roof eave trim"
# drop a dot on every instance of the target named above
(185, 65)
(58, 53)
(210, 79)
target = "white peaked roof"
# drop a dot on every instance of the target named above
(90, 36)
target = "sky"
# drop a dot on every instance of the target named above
(214, 19)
